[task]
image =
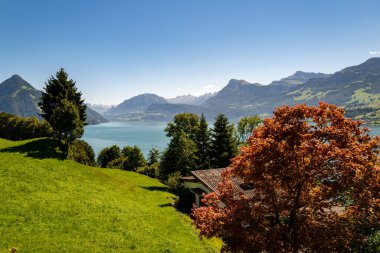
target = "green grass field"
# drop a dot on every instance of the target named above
(49, 204)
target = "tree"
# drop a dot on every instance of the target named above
(203, 144)
(223, 143)
(315, 181)
(107, 155)
(153, 156)
(66, 121)
(134, 158)
(61, 91)
(179, 156)
(246, 125)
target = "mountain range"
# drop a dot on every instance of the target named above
(355, 88)
(19, 97)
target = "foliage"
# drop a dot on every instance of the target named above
(316, 184)
(223, 143)
(50, 205)
(152, 170)
(373, 243)
(134, 158)
(81, 152)
(203, 144)
(183, 122)
(18, 128)
(117, 163)
(174, 181)
(179, 156)
(153, 156)
(66, 121)
(59, 97)
(108, 154)
(246, 125)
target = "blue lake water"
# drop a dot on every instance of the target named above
(143, 134)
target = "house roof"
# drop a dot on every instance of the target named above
(211, 178)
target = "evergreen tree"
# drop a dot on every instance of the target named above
(203, 144)
(223, 143)
(57, 89)
(66, 121)
(153, 156)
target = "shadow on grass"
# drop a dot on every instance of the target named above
(166, 205)
(156, 188)
(39, 149)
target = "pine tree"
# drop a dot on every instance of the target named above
(203, 144)
(58, 89)
(223, 143)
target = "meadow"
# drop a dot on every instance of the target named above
(50, 204)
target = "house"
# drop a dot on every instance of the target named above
(206, 181)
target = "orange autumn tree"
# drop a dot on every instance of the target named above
(316, 186)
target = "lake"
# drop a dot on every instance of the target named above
(144, 134)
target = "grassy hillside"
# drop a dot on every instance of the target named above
(49, 204)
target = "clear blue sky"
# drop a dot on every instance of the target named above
(117, 49)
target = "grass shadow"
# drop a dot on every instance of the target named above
(156, 188)
(166, 205)
(39, 149)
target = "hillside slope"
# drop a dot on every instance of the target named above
(54, 205)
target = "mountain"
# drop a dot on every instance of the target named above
(136, 104)
(298, 78)
(99, 108)
(190, 99)
(19, 97)
(355, 88)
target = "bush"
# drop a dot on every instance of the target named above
(373, 243)
(107, 155)
(152, 170)
(116, 163)
(134, 158)
(174, 181)
(18, 128)
(81, 152)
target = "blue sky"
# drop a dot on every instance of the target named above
(117, 49)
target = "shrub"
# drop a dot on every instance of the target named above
(81, 152)
(108, 154)
(150, 170)
(134, 158)
(116, 163)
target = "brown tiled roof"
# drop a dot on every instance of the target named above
(212, 177)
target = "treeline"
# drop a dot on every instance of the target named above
(18, 128)
(193, 146)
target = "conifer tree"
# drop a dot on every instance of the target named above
(203, 144)
(58, 89)
(223, 143)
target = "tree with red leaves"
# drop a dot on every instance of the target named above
(316, 186)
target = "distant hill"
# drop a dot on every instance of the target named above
(20, 98)
(190, 99)
(298, 78)
(135, 105)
